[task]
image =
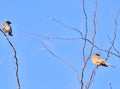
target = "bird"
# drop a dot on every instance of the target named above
(7, 28)
(97, 60)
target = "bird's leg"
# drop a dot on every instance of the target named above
(97, 66)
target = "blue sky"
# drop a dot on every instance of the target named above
(37, 68)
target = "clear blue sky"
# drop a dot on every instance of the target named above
(37, 68)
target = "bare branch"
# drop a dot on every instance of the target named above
(113, 41)
(62, 60)
(84, 46)
(16, 59)
(93, 38)
(91, 77)
(61, 38)
(113, 46)
(57, 21)
(86, 29)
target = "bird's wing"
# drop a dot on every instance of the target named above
(102, 62)
(10, 29)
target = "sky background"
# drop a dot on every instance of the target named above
(40, 70)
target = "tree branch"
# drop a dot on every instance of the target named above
(113, 41)
(16, 59)
(61, 38)
(62, 60)
(93, 38)
(59, 22)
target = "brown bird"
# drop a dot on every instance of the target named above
(7, 28)
(97, 60)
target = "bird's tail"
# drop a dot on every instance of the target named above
(111, 65)
(10, 34)
(104, 63)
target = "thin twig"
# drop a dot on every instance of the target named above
(113, 46)
(113, 41)
(62, 60)
(93, 38)
(61, 38)
(59, 22)
(84, 45)
(86, 29)
(91, 77)
(16, 59)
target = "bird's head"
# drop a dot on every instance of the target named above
(8, 22)
(97, 54)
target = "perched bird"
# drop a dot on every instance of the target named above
(97, 60)
(7, 28)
